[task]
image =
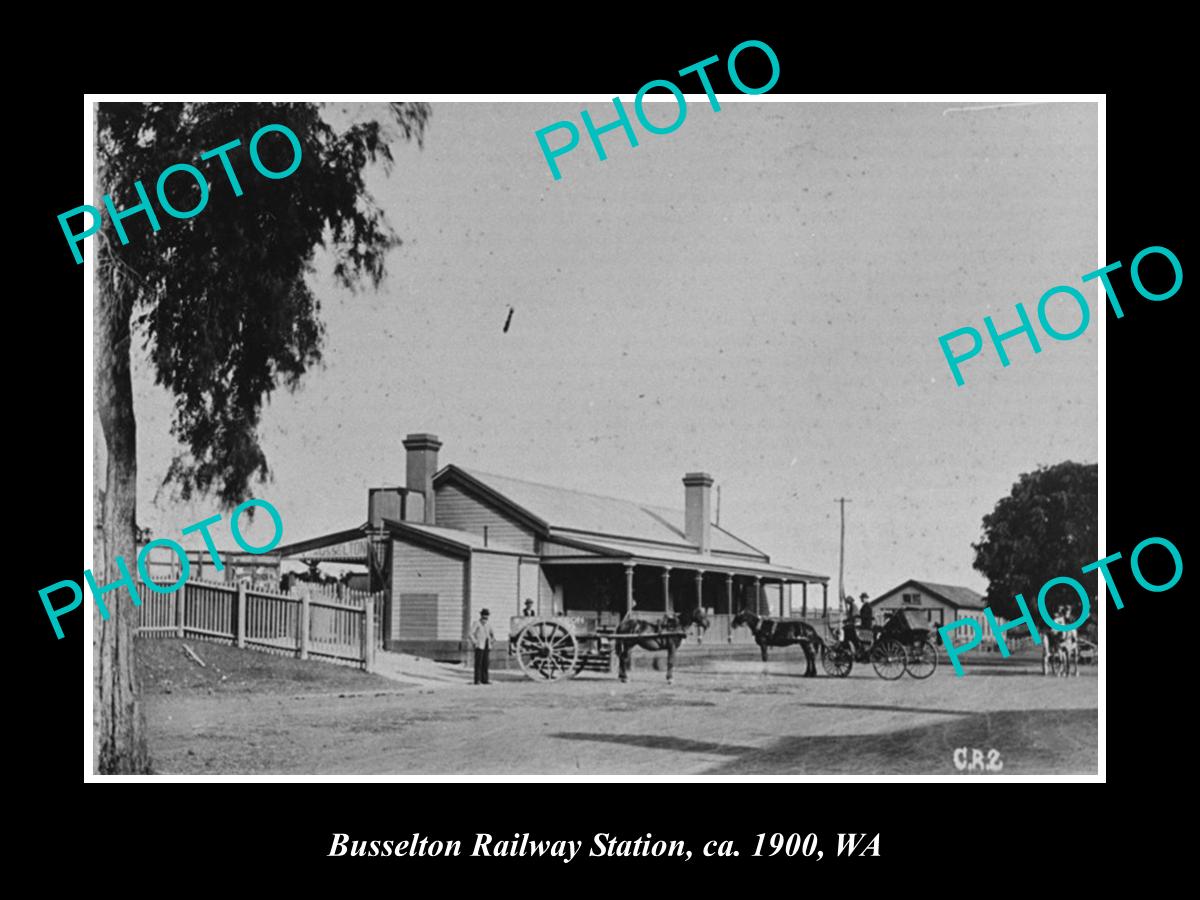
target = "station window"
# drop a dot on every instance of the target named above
(911, 599)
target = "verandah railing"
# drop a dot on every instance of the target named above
(343, 629)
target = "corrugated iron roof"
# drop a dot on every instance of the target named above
(694, 560)
(959, 596)
(562, 508)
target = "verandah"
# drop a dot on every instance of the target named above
(608, 591)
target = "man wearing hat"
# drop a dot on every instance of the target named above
(482, 640)
(848, 623)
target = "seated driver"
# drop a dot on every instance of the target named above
(868, 614)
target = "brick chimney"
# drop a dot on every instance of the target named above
(698, 509)
(422, 465)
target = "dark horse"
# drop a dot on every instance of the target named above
(782, 633)
(649, 639)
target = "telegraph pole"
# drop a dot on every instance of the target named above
(842, 501)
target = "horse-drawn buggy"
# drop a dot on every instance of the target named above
(548, 648)
(904, 643)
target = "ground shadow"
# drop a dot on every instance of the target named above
(1052, 741)
(1049, 741)
(657, 742)
(887, 707)
(985, 670)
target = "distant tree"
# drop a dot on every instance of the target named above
(1045, 528)
(221, 303)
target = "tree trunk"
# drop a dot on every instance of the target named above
(119, 738)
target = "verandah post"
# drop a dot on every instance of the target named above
(729, 606)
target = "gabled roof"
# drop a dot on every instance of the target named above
(957, 596)
(561, 509)
(447, 538)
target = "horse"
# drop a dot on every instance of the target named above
(1060, 650)
(770, 632)
(652, 627)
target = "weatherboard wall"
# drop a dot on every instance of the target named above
(494, 586)
(427, 594)
(456, 509)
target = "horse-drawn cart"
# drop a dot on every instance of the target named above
(902, 644)
(548, 648)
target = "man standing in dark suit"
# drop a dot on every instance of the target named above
(482, 640)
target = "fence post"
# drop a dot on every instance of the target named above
(180, 608)
(240, 624)
(304, 626)
(369, 634)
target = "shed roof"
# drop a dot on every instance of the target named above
(347, 546)
(957, 596)
(565, 509)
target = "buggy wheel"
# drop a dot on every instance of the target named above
(921, 659)
(888, 658)
(837, 660)
(547, 651)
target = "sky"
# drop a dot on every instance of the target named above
(757, 295)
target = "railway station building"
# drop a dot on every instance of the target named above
(452, 541)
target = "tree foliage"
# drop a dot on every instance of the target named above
(1045, 528)
(220, 299)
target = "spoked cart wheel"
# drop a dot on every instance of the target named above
(837, 659)
(547, 651)
(921, 659)
(888, 658)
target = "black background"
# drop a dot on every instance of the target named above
(929, 830)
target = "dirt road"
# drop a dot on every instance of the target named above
(722, 718)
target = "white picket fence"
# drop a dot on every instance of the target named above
(343, 628)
